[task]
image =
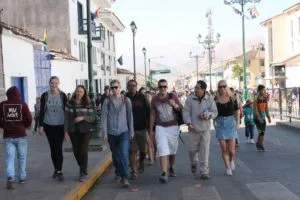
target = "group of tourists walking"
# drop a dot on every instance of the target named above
(135, 125)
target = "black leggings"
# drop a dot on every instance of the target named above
(55, 136)
(261, 126)
(80, 144)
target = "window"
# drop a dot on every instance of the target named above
(262, 62)
(80, 15)
(94, 54)
(292, 46)
(108, 39)
(292, 28)
(299, 25)
(110, 66)
(82, 52)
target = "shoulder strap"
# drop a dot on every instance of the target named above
(170, 95)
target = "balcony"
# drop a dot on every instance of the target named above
(98, 32)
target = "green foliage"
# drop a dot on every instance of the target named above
(237, 71)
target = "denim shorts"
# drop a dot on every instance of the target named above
(226, 128)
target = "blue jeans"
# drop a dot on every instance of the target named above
(119, 146)
(11, 147)
(249, 130)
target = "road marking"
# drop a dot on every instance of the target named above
(271, 191)
(243, 165)
(204, 193)
(133, 196)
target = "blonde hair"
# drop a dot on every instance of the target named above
(227, 89)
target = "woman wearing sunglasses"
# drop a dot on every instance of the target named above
(227, 124)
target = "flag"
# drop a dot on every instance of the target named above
(237, 11)
(45, 39)
(253, 12)
(120, 60)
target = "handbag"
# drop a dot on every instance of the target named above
(178, 113)
(82, 126)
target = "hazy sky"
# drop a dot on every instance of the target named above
(169, 27)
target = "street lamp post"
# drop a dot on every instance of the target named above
(145, 61)
(133, 29)
(209, 43)
(90, 69)
(243, 3)
(149, 63)
(197, 56)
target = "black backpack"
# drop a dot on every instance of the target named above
(178, 113)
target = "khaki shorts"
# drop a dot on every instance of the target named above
(139, 141)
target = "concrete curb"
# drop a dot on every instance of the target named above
(81, 189)
(287, 125)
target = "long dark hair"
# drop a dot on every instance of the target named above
(85, 100)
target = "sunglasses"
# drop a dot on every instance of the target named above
(114, 87)
(162, 86)
(222, 86)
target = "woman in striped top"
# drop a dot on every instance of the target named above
(79, 109)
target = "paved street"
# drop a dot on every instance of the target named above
(272, 175)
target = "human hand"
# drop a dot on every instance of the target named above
(41, 131)
(172, 103)
(191, 128)
(237, 126)
(78, 119)
(202, 117)
(269, 119)
(132, 135)
(105, 137)
(66, 136)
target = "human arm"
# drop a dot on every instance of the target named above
(152, 119)
(129, 117)
(187, 114)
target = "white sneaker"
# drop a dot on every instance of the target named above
(228, 172)
(248, 140)
(232, 165)
(252, 141)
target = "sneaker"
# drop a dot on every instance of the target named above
(172, 172)
(82, 178)
(247, 140)
(22, 181)
(258, 147)
(228, 172)
(60, 176)
(125, 183)
(10, 184)
(194, 169)
(54, 174)
(262, 148)
(252, 141)
(116, 179)
(163, 178)
(232, 165)
(205, 177)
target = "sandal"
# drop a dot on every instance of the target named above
(133, 176)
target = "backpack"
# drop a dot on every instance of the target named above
(178, 113)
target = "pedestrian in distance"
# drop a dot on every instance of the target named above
(69, 96)
(249, 121)
(227, 124)
(166, 128)
(52, 119)
(151, 147)
(15, 117)
(261, 112)
(141, 116)
(198, 111)
(105, 95)
(79, 112)
(117, 129)
(37, 108)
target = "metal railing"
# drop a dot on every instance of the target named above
(284, 102)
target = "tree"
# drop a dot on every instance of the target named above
(237, 72)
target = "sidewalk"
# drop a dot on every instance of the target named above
(40, 184)
(294, 124)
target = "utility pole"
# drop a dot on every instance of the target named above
(2, 82)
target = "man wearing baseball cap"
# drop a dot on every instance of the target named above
(198, 111)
